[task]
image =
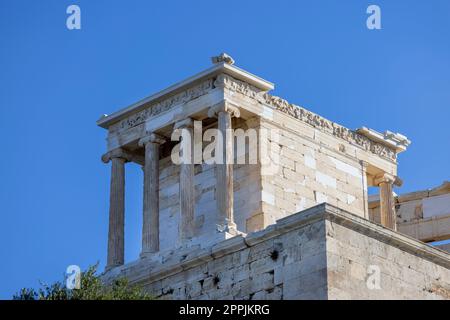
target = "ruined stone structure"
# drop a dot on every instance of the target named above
(294, 224)
(424, 214)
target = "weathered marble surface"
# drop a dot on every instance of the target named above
(320, 253)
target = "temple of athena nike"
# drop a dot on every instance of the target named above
(297, 223)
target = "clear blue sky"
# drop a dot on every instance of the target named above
(55, 83)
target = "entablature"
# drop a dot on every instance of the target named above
(226, 82)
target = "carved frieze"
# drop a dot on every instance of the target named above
(225, 81)
(308, 117)
(153, 109)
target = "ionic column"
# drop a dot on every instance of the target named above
(224, 189)
(116, 231)
(387, 204)
(186, 185)
(150, 225)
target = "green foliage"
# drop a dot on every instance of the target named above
(92, 288)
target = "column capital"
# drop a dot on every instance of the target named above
(364, 164)
(151, 138)
(383, 178)
(387, 178)
(224, 106)
(117, 153)
(184, 123)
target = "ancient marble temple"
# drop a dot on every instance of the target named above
(279, 229)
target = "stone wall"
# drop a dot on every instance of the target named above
(318, 161)
(308, 174)
(247, 197)
(402, 274)
(320, 253)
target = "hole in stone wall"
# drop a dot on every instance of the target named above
(274, 255)
(216, 280)
(170, 291)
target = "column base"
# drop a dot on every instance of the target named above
(184, 243)
(111, 267)
(146, 255)
(222, 232)
(228, 227)
(227, 230)
(108, 268)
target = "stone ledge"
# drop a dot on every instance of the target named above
(151, 270)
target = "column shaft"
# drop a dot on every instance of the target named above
(116, 214)
(225, 171)
(387, 205)
(150, 226)
(187, 196)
